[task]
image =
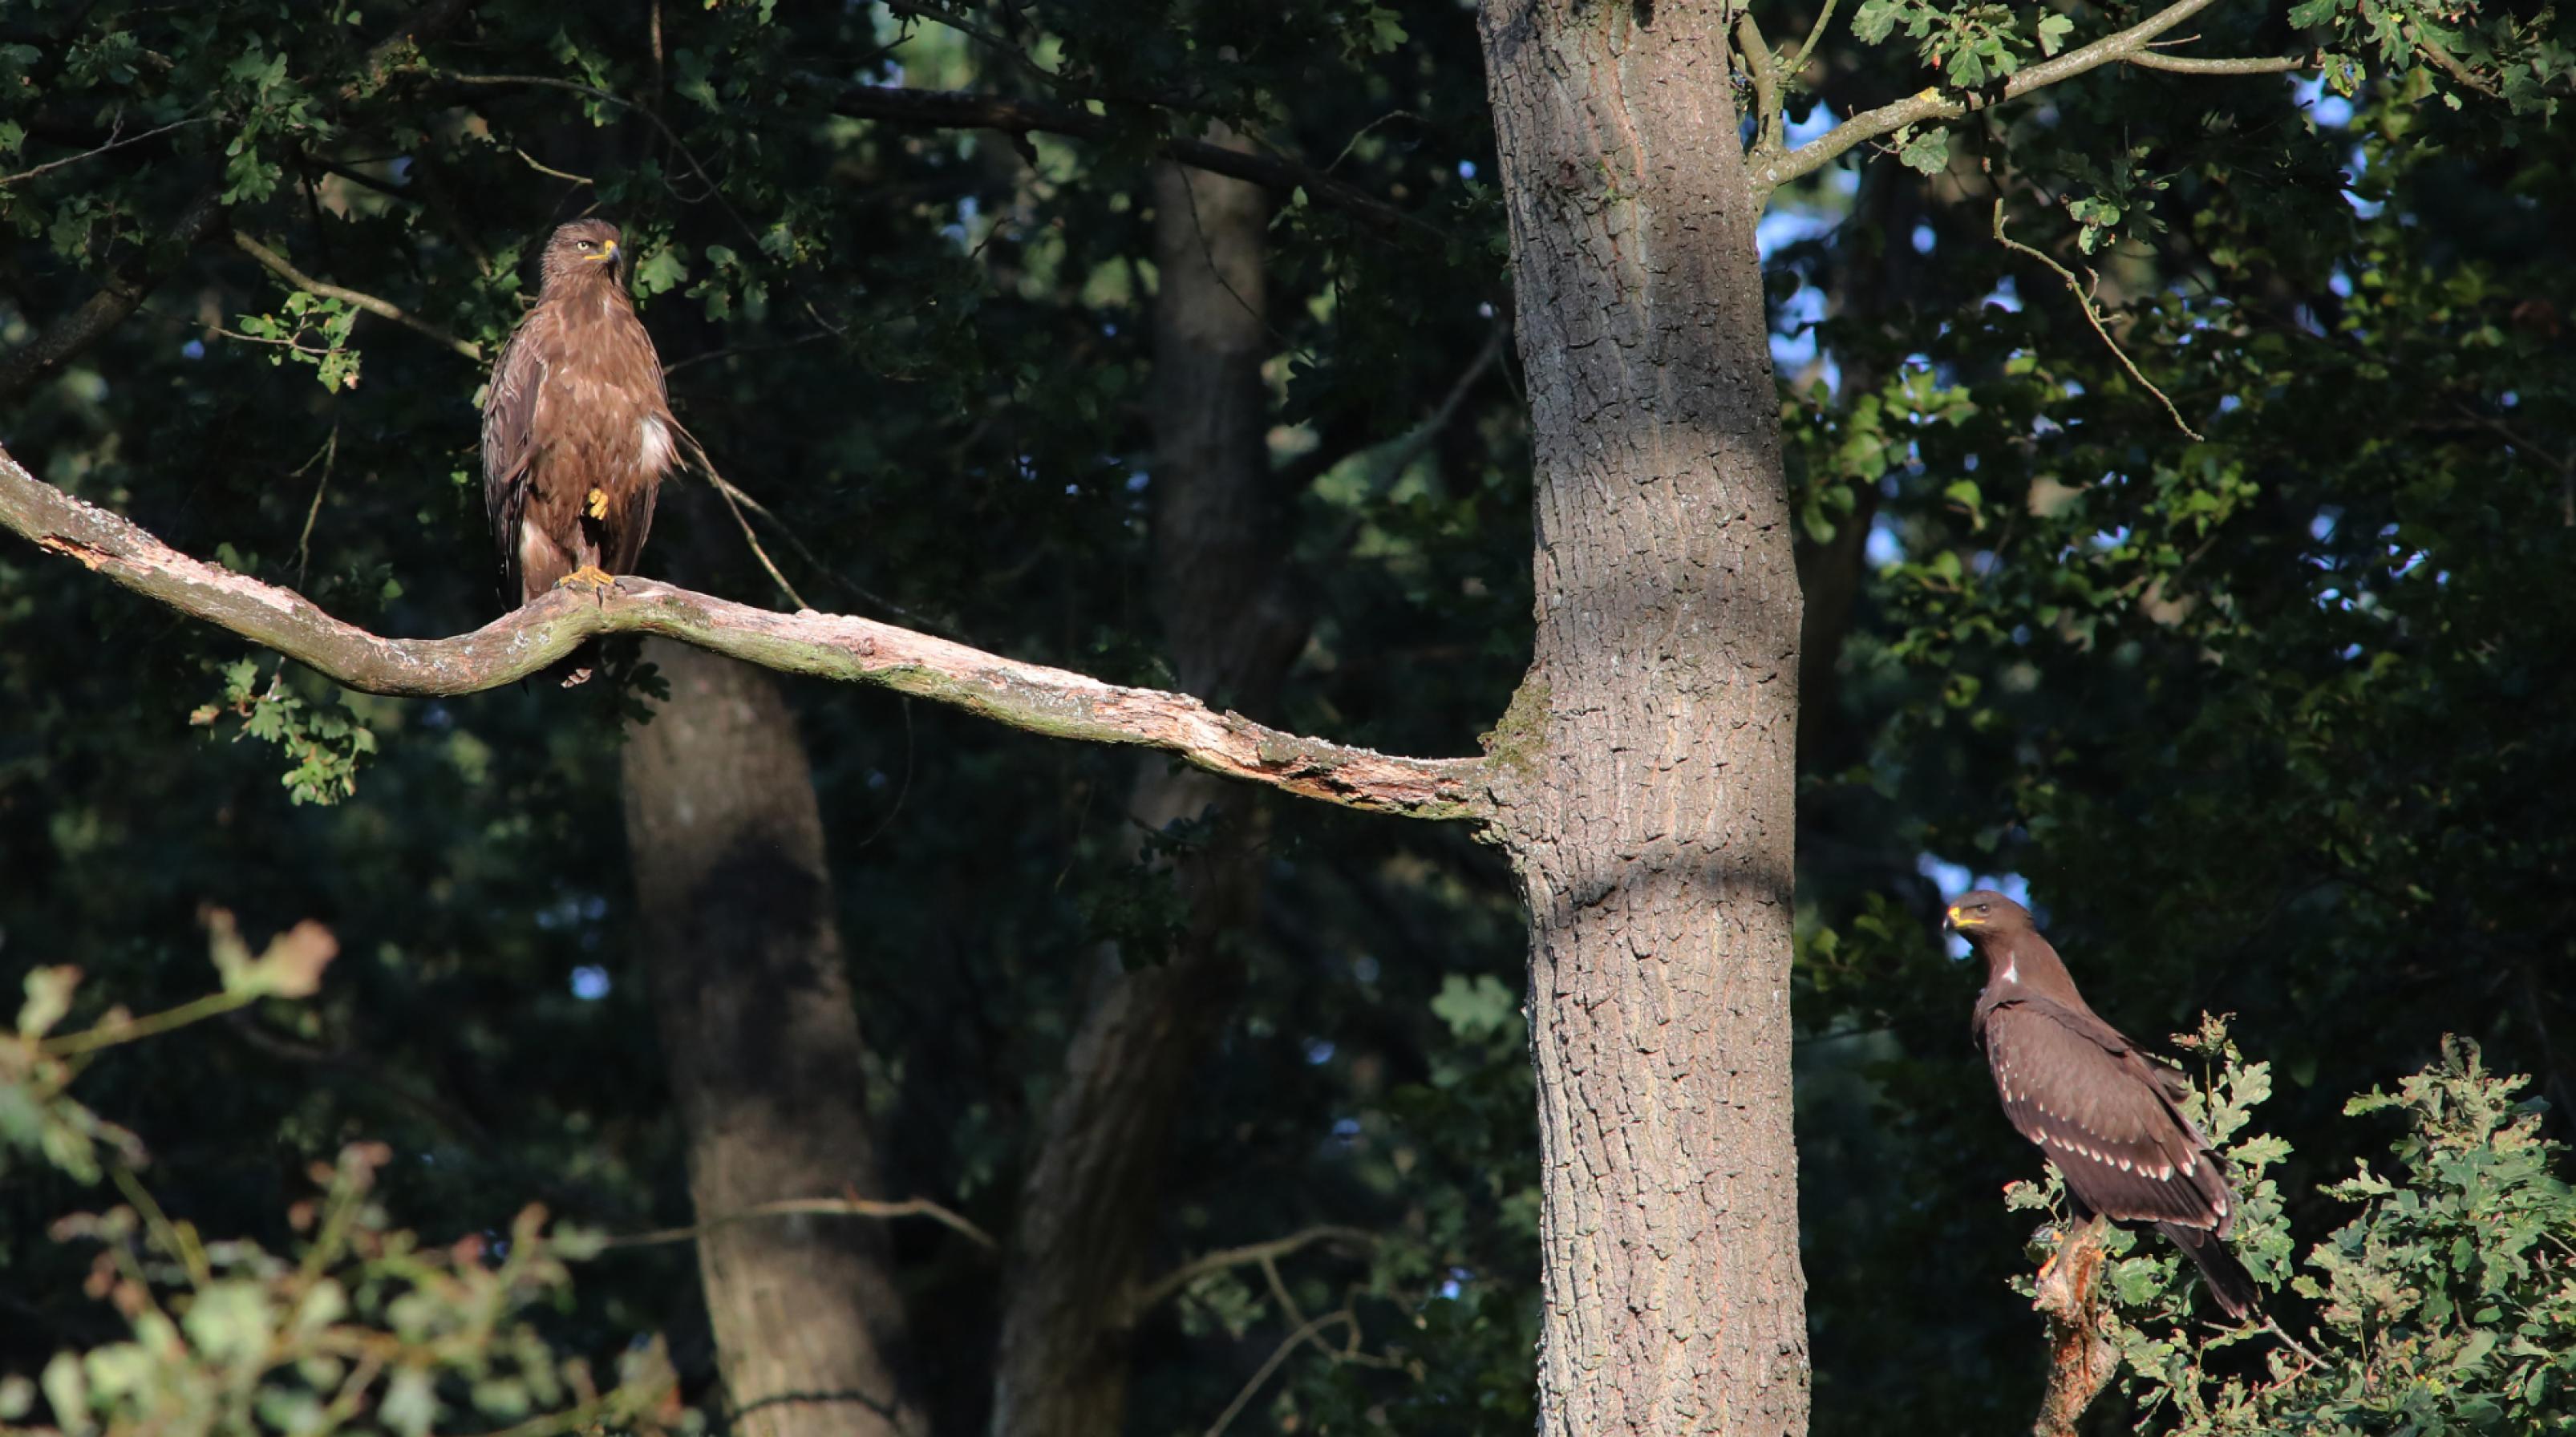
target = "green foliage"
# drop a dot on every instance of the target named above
(326, 744)
(2446, 1304)
(360, 1327)
(2265, 719)
(1971, 44)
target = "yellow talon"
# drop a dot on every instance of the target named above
(588, 576)
(598, 505)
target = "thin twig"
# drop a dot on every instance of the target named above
(1807, 51)
(2092, 316)
(726, 491)
(329, 455)
(383, 308)
(151, 1025)
(2273, 1326)
(1189, 1272)
(714, 191)
(545, 169)
(1270, 1365)
(817, 1207)
(113, 143)
(735, 493)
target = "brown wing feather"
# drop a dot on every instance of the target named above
(2101, 1112)
(509, 439)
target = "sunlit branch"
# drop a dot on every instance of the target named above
(2128, 46)
(2248, 65)
(1031, 697)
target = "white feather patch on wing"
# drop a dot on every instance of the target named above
(657, 445)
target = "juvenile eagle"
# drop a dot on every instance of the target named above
(577, 430)
(2105, 1113)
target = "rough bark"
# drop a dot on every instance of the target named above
(753, 999)
(1089, 1210)
(1651, 816)
(2081, 1357)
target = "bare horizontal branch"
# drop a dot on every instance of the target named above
(2247, 65)
(2128, 46)
(819, 1207)
(383, 308)
(1025, 696)
(1180, 1277)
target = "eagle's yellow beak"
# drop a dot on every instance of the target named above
(608, 251)
(1957, 919)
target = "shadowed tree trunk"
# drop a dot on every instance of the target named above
(1648, 803)
(753, 998)
(1091, 1205)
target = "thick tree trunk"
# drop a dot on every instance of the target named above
(1650, 814)
(753, 997)
(1089, 1207)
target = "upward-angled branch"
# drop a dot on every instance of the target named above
(2129, 46)
(1022, 695)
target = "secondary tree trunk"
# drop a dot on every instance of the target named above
(1088, 1210)
(1650, 808)
(753, 999)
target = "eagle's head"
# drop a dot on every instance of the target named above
(585, 251)
(1985, 914)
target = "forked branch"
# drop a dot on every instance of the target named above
(526, 641)
(2130, 47)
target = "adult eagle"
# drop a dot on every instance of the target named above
(2106, 1114)
(577, 429)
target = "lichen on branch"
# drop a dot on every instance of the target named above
(1033, 697)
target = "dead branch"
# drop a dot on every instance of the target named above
(819, 1207)
(1031, 697)
(2080, 1358)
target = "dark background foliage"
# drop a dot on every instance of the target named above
(2273, 720)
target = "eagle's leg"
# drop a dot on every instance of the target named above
(589, 576)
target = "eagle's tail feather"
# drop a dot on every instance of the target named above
(2228, 1280)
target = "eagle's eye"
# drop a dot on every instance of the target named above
(1982, 907)
(587, 244)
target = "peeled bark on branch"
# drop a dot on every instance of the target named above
(2081, 1360)
(526, 641)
